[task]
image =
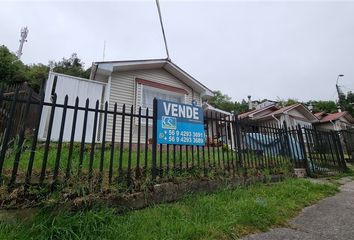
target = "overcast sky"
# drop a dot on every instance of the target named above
(265, 49)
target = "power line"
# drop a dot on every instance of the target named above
(162, 28)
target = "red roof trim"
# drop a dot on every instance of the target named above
(333, 116)
(161, 86)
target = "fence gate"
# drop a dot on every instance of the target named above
(324, 151)
(347, 137)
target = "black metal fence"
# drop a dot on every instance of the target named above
(24, 91)
(324, 151)
(111, 145)
(347, 138)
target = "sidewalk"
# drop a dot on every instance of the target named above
(330, 219)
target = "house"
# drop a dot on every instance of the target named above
(219, 129)
(257, 104)
(293, 115)
(137, 83)
(269, 112)
(259, 111)
(335, 121)
(131, 83)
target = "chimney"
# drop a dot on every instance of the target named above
(310, 107)
(249, 102)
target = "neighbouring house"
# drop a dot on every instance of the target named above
(133, 83)
(219, 129)
(259, 111)
(293, 115)
(334, 121)
(257, 104)
(269, 112)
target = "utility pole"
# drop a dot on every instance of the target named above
(24, 33)
(104, 50)
(340, 93)
(162, 28)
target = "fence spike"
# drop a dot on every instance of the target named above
(72, 139)
(48, 139)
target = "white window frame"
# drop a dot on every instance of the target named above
(139, 99)
(163, 91)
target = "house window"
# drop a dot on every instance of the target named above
(149, 93)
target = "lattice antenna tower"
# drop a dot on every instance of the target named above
(23, 39)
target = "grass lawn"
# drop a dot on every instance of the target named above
(227, 214)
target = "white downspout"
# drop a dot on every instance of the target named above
(276, 119)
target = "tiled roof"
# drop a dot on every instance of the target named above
(333, 116)
(320, 115)
(246, 114)
(284, 109)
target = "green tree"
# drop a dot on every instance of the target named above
(36, 74)
(12, 70)
(221, 101)
(323, 106)
(71, 66)
(288, 102)
(241, 107)
(348, 103)
(224, 102)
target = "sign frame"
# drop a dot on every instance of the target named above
(179, 123)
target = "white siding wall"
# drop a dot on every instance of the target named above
(296, 113)
(124, 90)
(73, 87)
(293, 122)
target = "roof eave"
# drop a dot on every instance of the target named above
(106, 68)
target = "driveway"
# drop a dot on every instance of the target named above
(330, 219)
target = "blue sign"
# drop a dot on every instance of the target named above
(180, 124)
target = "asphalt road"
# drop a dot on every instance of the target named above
(330, 219)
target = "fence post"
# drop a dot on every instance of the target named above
(83, 138)
(238, 140)
(1, 93)
(48, 139)
(341, 153)
(60, 142)
(287, 143)
(303, 148)
(1, 110)
(93, 141)
(336, 149)
(154, 140)
(72, 138)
